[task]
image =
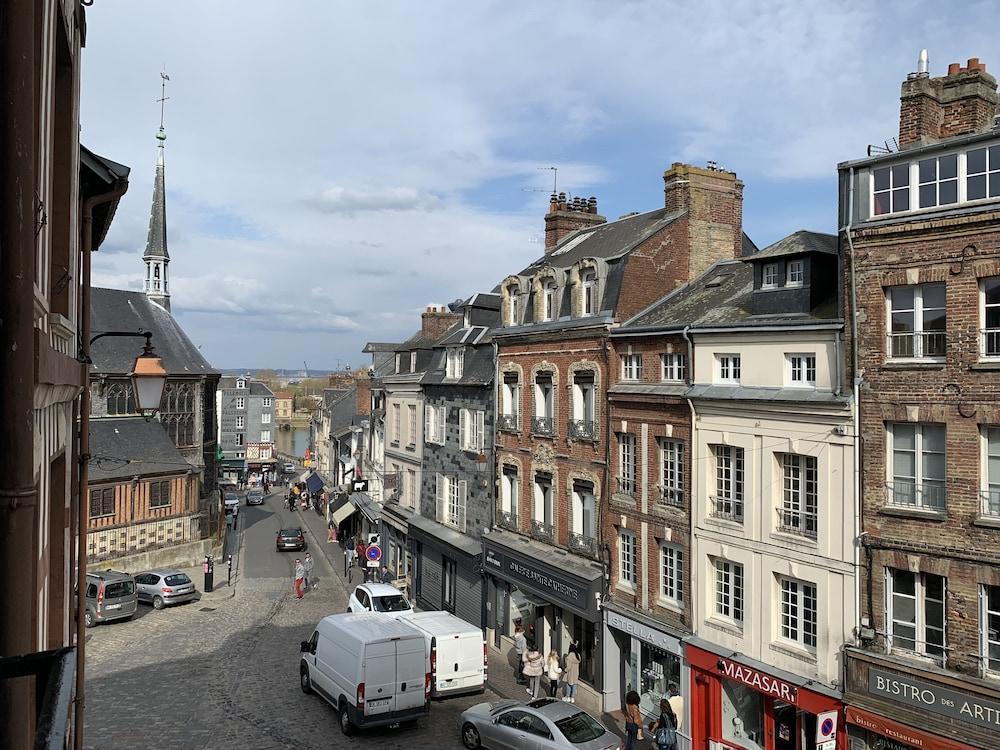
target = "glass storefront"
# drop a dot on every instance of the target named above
(657, 670)
(742, 716)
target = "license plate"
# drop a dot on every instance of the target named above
(376, 706)
(113, 606)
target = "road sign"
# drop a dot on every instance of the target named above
(373, 553)
(826, 727)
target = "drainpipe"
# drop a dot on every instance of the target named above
(86, 233)
(838, 380)
(694, 462)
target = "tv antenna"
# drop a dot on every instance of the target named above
(555, 182)
(887, 147)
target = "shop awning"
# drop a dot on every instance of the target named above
(314, 483)
(364, 502)
(446, 534)
(302, 477)
(343, 512)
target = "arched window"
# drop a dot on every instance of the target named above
(120, 399)
(590, 293)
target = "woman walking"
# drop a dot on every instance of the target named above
(553, 671)
(572, 674)
(533, 669)
(633, 720)
(300, 575)
(664, 729)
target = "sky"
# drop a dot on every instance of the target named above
(333, 168)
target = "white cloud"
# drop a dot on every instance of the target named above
(345, 200)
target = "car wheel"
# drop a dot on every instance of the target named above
(346, 725)
(470, 737)
(158, 602)
(304, 682)
(88, 619)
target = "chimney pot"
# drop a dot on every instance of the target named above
(973, 63)
(954, 68)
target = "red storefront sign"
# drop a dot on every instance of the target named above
(900, 733)
(762, 683)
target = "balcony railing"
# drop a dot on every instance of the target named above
(916, 345)
(727, 508)
(542, 530)
(506, 520)
(585, 544)
(582, 429)
(991, 342)
(991, 503)
(509, 422)
(626, 486)
(803, 523)
(669, 495)
(542, 426)
(912, 495)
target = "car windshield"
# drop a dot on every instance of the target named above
(177, 579)
(391, 603)
(119, 588)
(232, 497)
(580, 727)
(291, 532)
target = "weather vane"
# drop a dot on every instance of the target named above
(163, 98)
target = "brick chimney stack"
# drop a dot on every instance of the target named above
(565, 217)
(363, 392)
(713, 199)
(962, 102)
(435, 320)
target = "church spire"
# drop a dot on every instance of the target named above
(156, 257)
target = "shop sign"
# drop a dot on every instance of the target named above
(759, 681)
(893, 736)
(642, 632)
(927, 696)
(559, 589)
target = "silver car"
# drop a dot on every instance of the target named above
(542, 724)
(163, 587)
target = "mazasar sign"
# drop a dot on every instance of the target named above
(759, 681)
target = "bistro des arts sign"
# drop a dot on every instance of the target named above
(759, 681)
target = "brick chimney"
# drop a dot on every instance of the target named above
(962, 102)
(565, 217)
(363, 392)
(713, 199)
(435, 320)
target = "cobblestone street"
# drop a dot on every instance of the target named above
(223, 672)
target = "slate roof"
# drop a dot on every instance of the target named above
(284, 394)
(800, 243)
(98, 175)
(119, 310)
(156, 241)
(123, 447)
(478, 368)
(257, 388)
(762, 394)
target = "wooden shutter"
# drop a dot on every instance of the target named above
(428, 424)
(442, 416)
(463, 425)
(463, 490)
(480, 430)
(440, 500)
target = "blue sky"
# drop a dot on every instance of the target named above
(334, 167)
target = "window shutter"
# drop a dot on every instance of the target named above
(428, 424)
(440, 499)
(463, 487)
(442, 415)
(480, 430)
(463, 425)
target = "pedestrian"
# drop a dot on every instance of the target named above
(360, 550)
(553, 671)
(572, 674)
(520, 647)
(664, 729)
(533, 668)
(386, 576)
(300, 575)
(633, 721)
(331, 530)
(676, 702)
(349, 553)
(308, 564)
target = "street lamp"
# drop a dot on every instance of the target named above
(148, 375)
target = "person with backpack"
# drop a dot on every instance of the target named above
(664, 729)
(633, 721)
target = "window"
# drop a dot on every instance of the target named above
(411, 487)
(769, 276)
(102, 502)
(798, 612)
(543, 424)
(120, 399)
(543, 510)
(891, 189)
(582, 425)
(991, 316)
(241, 384)
(917, 320)
(799, 501)
(265, 436)
(471, 429)
(915, 618)
(672, 572)
(982, 170)
(265, 418)
(631, 366)
(239, 439)
(584, 510)
(510, 493)
(729, 590)
(989, 627)
(267, 401)
(938, 181)
(451, 501)
(796, 273)
(413, 361)
(918, 466)
(240, 423)
(991, 492)
(396, 419)
(241, 402)
(674, 367)
(240, 454)
(177, 412)
(159, 494)
(728, 368)
(549, 301)
(411, 414)
(510, 402)
(434, 424)
(672, 472)
(801, 369)
(626, 463)
(626, 558)
(449, 577)
(728, 500)
(515, 307)
(589, 294)
(455, 363)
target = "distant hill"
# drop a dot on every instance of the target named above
(275, 371)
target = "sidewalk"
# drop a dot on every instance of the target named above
(315, 526)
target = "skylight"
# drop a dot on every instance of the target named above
(573, 243)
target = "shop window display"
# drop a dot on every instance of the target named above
(742, 716)
(658, 669)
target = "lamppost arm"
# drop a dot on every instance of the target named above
(147, 349)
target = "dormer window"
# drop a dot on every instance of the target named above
(413, 361)
(399, 363)
(466, 319)
(796, 273)
(549, 301)
(241, 384)
(455, 363)
(515, 306)
(590, 293)
(769, 276)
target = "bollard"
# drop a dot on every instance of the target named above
(209, 568)
(229, 574)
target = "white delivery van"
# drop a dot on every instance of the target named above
(456, 650)
(371, 668)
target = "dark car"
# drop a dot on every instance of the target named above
(290, 539)
(255, 496)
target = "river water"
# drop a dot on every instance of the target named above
(293, 442)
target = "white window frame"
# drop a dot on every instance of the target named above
(549, 311)
(511, 398)
(411, 423)
(990, 463)
(265, 436)
(240, 423)
(267, 400)
(241, 455)
(514, 295)
(795, 273)
(923, 497)
(452, 494)
(241, 402)
(627, 559)
(990, 341)
(589, 290)
(800, 369)
(240, 439)
(627, 463)
(455, 364)
(672, 573)
(585, 399)
(729, 590)
(919, 624)
(728, 369)
(265, 418)
(397, 418)
(769, 276)
(543, 510)
(510, 489)
(799, 511)
(545, 396)
(918, 333)
(580, 501)
(730, 478)
(632, 366)
(672, 471)
(673, 367)
(936, 181)
(896, 191)
(992, 173)
(798, 612)
(241, 384)
(988, 637)
(411, 488)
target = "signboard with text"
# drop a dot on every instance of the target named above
(926, 696)
(559, 588)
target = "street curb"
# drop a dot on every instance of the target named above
(322, 544)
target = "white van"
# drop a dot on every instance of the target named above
(456, 650)
(369, 667)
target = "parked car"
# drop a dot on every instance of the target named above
(288, 468)
(231, 503)
(163, 587)
(110, 596)
(456, 650)
(255, 496)
(546, 722)
(379, 597)
(290, 539)
(371, 669)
